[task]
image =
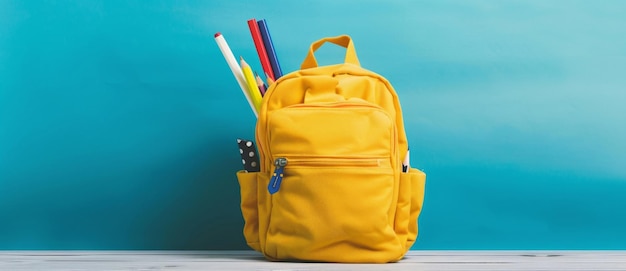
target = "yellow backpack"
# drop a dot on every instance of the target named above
(331, 186)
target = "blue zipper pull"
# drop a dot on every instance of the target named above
(277, 177)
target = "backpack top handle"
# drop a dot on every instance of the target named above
(343, 41)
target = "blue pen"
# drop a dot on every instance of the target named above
(269, 48)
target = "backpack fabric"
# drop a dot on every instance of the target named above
(331, 186)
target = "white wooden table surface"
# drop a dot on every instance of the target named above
(247, 260)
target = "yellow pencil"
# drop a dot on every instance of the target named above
(253, 89)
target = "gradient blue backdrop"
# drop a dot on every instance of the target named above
(118, 118)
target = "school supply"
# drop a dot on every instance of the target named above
(249, 155)
(269, 80)
(260, 84)
(406, 164)
(253, 88)
(269, 48)
(260, 47)
(331, 186)
(234, 68)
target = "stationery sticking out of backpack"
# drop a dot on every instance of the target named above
(331, 186)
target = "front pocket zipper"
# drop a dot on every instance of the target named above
(281, 162)
(277, 177)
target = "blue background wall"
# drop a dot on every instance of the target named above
(118, 118)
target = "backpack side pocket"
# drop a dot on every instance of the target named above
(417, 182)
(403, 209)
(249, 207)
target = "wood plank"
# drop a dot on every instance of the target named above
(247, 260)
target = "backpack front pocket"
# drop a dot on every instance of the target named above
(329, 205)
(329, 129)
(333, 183)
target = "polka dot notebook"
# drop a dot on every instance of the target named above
(249, 155)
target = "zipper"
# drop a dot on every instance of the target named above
(336, 161)
(281, 162)
(277, 177)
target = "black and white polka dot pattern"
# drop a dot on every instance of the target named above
(249, 156)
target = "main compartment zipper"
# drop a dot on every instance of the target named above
(281, 162)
